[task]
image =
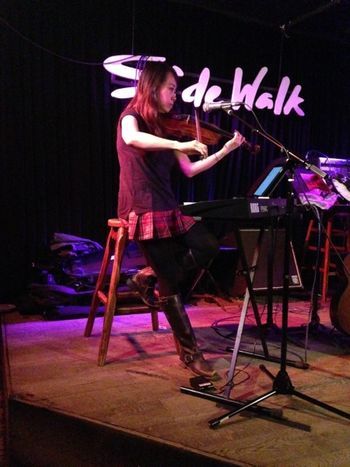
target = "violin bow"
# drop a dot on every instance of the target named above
(198, 127)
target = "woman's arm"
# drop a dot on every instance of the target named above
(140, 139)
(190, 169)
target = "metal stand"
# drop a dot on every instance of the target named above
(248, 274)
(315, 292)
(282, 383)
(269, 322)
(249, 296)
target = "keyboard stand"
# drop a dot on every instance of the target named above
(249, 274)
(250, 296)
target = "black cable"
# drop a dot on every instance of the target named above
(55, 54)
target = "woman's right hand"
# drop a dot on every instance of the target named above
(193, 147)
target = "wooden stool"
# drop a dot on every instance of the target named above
(331, 234)
(117, 238)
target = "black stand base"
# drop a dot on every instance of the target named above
(221, 400)
(281, 385)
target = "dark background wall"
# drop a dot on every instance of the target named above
(59, 171)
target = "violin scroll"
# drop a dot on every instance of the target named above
(254, 149)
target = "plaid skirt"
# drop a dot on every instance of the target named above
(158, 224)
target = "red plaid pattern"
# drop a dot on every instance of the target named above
(158, 224)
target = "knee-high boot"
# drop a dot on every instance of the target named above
(185, 340)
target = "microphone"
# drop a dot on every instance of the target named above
(221, 105)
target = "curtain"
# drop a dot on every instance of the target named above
(59, 169)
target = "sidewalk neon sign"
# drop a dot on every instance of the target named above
(284, 101)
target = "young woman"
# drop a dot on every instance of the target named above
(171, 242)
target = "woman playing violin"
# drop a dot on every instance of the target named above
(172, 243)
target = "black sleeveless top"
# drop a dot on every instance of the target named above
(145, 176)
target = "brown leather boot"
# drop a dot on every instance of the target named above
(185, 340)
(144, 283)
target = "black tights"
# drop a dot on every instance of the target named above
(166, 256)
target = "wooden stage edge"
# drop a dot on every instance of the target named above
(65, 410)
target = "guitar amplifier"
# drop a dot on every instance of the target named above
(249, 239)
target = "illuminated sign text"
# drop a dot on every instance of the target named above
(285, 100)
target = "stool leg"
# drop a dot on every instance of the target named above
(326, 261)
(112, 295)
(308, 233)
(99, 287)
(155, 320)
(307, 240)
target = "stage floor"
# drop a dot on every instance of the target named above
(53, 368)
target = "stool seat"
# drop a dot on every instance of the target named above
(115, 245)
(117, 223)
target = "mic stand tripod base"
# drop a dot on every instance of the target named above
(281, 385)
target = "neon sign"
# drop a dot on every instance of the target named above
(284, 100)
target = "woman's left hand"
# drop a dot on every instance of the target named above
(235, 142)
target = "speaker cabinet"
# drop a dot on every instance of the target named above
(249, 240)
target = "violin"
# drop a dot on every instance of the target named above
(184, 126)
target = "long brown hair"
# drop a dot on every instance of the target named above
(145, 101)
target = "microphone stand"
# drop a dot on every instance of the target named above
(282, 383)
(315, 320)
